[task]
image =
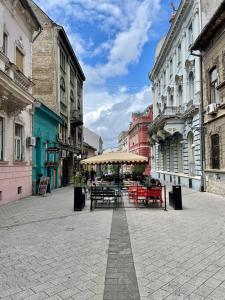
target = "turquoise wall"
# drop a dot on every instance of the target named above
(45, 130)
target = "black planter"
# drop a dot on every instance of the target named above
(79, 199)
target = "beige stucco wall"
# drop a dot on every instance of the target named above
(213, 56)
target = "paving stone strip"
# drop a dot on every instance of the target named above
(120, 280)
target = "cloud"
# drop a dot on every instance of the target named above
(108, 37)
(113, 114)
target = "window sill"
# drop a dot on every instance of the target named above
(20, 162)
(215, 170)
(4, 162)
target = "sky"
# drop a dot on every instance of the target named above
(114, 41)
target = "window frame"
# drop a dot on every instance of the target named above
(171, 67)
(20, 66)
(213, 84)
(215, 151)
(191, 80)
(179, 51)
(5, 43)
(190, 34)
(18, 140)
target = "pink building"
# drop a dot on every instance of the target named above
(138, 135)
(17, 29)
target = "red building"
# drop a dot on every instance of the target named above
(138, 135)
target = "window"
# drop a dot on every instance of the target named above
(19, 59)
(1, 139)
(5, 43)
(214, 95)
(180, 94)
(62, 90)
(62, 60)
(71, 96)
(179, 54)
(191, 86)
(171, 67)
(215, 151)
(18, 142)
(190, 35)
(164, 79)
(72, 77)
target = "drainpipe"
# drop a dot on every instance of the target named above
(201, 117)
(36, 36)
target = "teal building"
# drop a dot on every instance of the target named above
(46, 153)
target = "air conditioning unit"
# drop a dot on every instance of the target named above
(31, 141)
(211, 108)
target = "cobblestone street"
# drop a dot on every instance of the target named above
(48, 251)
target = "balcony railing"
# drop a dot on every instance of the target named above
(18, 77)
(172, 110)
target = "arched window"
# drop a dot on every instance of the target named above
(78, 104)
(191, 86)
(180, 94)
(62, 90)
(71, 96)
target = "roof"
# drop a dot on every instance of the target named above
(26, 5)
(64, 36)
(115, 158)
(210, 29)
(180, 14)
(71, 51)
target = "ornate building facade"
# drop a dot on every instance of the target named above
(138, 135)
(18, 28)
(176, 132)
(211, 43)
(58, 79)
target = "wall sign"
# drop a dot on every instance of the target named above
(43, 185)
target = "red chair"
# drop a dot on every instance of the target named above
(155, 194)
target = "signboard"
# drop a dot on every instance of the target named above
(53, 149)
(43, 185)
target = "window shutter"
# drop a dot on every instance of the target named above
(19, 59)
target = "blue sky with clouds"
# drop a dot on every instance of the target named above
(115, 42)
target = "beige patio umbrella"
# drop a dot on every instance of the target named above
(118, 158)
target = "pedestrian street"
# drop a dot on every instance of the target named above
(48, 251)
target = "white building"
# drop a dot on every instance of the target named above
(123, 141)
(93, 139)
(17, 31)
(176, 131)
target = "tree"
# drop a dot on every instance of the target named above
(138, 169)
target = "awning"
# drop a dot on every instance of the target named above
(116, 158)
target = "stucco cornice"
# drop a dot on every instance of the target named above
(183, 9)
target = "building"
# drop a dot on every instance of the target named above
(18, 28)
(89, 151)
(123, 141)
(211, 43)
(94, 140)
(46, 153)
(175, 132)
(58, 79)
(138, 135)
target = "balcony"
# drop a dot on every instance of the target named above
(15, 87)
(76, 117)
(167, 123)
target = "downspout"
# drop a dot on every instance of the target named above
(201, 117)
(36, 36)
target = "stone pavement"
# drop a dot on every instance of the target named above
(47, 251)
